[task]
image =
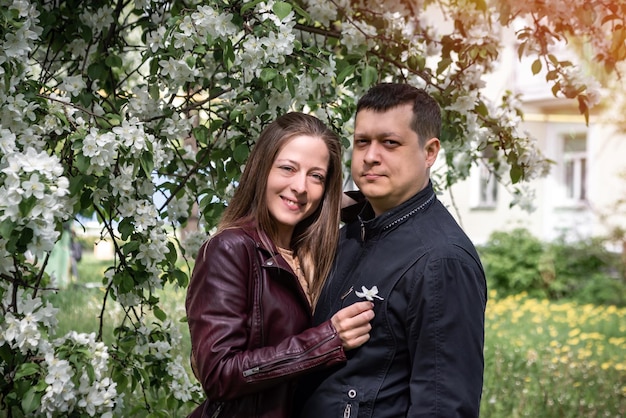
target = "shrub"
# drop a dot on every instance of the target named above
(585, 271)
(511, 261)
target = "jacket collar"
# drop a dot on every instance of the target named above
(271, 256)
(372, 225)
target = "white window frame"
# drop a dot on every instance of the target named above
(575, 171)
(485, 185)
(487, 188)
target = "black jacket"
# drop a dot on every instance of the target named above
(425, 355)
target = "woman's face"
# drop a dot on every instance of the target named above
(295, 185)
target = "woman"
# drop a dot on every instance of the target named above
(254, 283)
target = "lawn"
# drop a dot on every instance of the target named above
(553, 359)
(542, 359)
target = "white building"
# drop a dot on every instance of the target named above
(582, 194)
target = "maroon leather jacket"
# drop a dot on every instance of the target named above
(251, 329)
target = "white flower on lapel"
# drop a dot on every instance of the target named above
(369, 294)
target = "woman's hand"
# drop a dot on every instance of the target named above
(353, 324)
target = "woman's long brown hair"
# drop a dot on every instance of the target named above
(314, 240)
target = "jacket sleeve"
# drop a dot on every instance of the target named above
(446, 338)
(219, 324)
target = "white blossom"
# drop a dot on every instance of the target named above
(368, 294)
(73, 85)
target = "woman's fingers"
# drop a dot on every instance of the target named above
(353, 324)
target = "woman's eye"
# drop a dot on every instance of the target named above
(286, 168)
(319, 177)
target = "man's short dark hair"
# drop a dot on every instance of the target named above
(426, 112)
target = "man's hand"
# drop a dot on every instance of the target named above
(353, 324)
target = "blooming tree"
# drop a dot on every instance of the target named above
(141, 113)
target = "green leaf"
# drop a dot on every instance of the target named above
(250, 5)
(26, 369)
(520, 50)
(172, 254)
(369, 76)
(147, 163)
(122, 381)
(26, 205)
(240, 154)
(536, 66)
(154, 91)
(97, 71)
(26, 236)
(31, 401)
(77, 184)
(552, 75)
(481, 5)
(583, 107)
(130, 246)
(268, 74)
(505, 12)
(516, 173)
(180, 277)
(281, 9)
(417, 62)
(201, 134)
(162, 316)
(6, 227)
(291, 85)
(113, 61)
(261, 107)
(125, 228)
(86, 199)
(126, 282)
(553, 59)
(82, 163)
(481, 108)
(443, 65)
(215, 125)
(279, 83)
(301, 12)
(343, 74)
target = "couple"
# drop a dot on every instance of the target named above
(397, 330)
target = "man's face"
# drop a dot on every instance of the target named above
(388, 164)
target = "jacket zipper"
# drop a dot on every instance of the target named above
(216, 414)
(347, 410)
(271, 366)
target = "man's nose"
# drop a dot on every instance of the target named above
(372, 153)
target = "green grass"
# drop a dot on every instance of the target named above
(81, 304)
(542, 359)
(553, 359)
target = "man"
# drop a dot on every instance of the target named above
(407, 254)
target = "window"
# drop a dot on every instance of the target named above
(484, 184)
(575, 167)
(488, 194)
(488, 184)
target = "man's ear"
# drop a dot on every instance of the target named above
(431, 148)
